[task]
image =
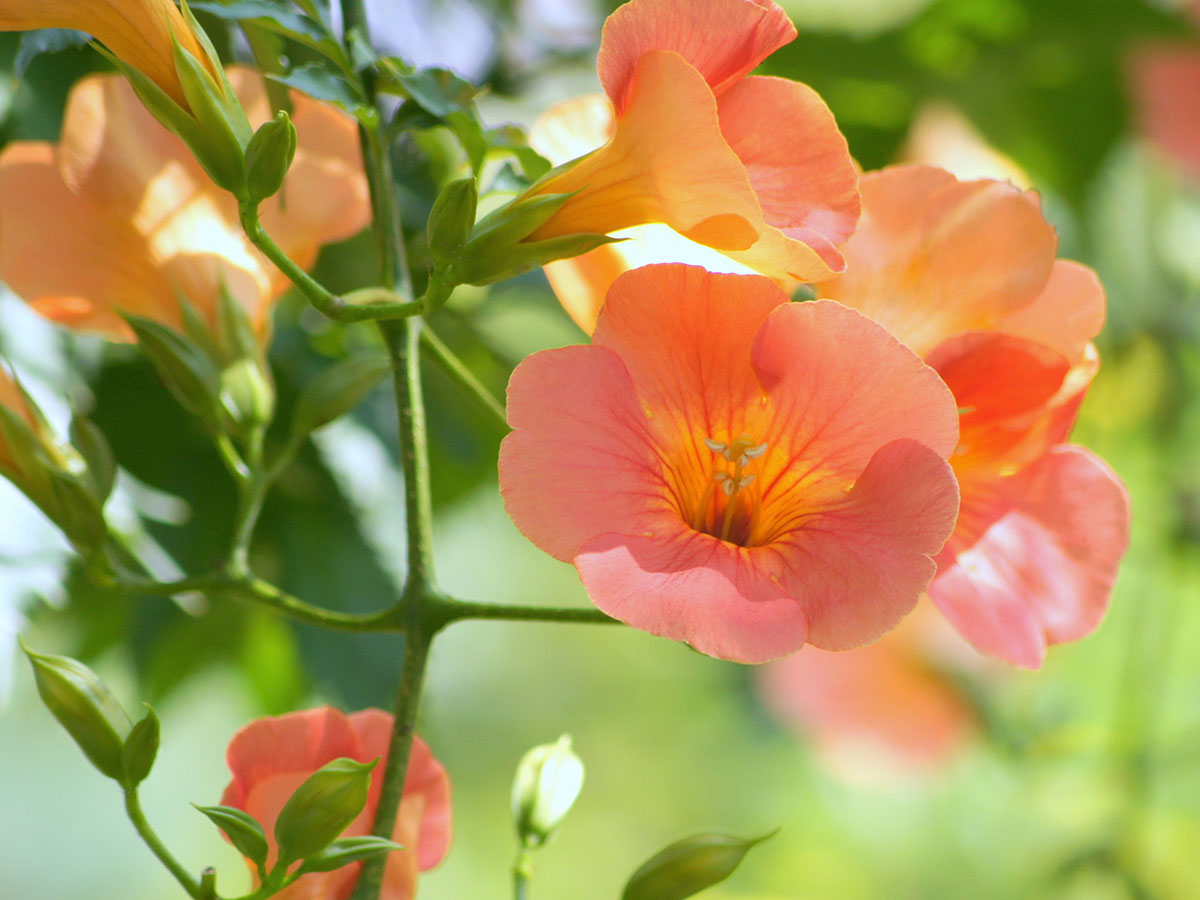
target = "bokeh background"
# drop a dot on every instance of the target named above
(1081, 780)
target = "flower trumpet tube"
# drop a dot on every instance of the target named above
(732, 470)
(965, 274)
(271, 757)
(752, 167)
(141, 33)
(119, 218)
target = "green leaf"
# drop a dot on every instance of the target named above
(322, 808)
(242, 829)
(46, 40)
(85, 707)
(189, 374)
(94, 448)
(141, 748)
(687, 867)
(336, 391)
(349, 850)
(280, 18)
(319, 82)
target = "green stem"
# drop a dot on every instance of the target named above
(453, 367)
(134, 808)
(255, 590)
(402, 339)
(522, 872)
(458, 610)
(333, 306)
(408, 696)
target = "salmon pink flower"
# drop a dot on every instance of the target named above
(888, 706)
(965, 274)
(118, 216)
(729, 469)
(1166, 86)
(139, 32)
(752, 167)
(271, 757)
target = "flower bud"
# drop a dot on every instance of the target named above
(269, 156)
(687, 867)
(549, 778)
(84, 706)
(140, 750)
(450, 222)
(322, 808)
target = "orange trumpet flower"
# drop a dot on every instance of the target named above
(139, 32)
(965, 274)
(119, 217)
(752, 167)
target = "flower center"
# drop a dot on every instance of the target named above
(727, 510)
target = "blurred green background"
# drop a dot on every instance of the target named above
(1078, 781)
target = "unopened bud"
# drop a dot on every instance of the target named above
(85, 707)
(269, 156)
(549, 779)
(322, 808)
(450, 222)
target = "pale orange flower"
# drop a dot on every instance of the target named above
(752, 167)
(138, 32)
(119, 217)
(891, 705)
(965, 274)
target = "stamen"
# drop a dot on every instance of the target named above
(714, 446)
(740, 452)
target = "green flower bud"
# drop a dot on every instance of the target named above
(450, 222)
(140, 750)
(549, 779)
(687, 867)
(269, 156)
(186, 369)
(247, 395)
(84, 706)
(322, 808)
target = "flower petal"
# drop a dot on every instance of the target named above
(1066, 315)
(579, 461)
(858, 565)
(297, 742)
(684, 335)
(801, 171)
(840, 388)
(1043, 572)
(933, 257)
(722, 39)
(64, 256)
(725, 601)
(667, 144)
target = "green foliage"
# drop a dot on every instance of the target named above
(321, 808)
(348, 850)
(243, 832)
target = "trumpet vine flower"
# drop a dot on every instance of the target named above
(139, 32)
(965, 274)
(752, 167)
(271, 757)
(119, 217)
(732, 470)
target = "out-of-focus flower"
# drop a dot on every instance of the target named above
(139, 32)
(271, 757)
(119, 217)
(942, 136)
(729, 469)
(1166, 87)
(888, 706)
(965, 274)
(752, 167)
